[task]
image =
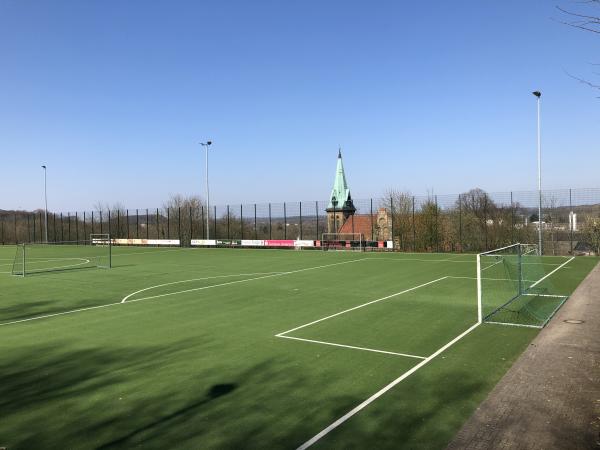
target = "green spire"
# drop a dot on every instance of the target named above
(340, 191)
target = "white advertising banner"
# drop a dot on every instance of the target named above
(146, 241)
(252, 243)
(304, 243)
(390, 244)
(203, 242)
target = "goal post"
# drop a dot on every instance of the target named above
(343, 241)
(33, 258)
(510, 289)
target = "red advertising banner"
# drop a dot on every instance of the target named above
(280, 243)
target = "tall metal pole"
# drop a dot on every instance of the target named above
(539, 161)
(206, 145)
(46, 206)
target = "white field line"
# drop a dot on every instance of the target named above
(360, 306)
(513, 324)
(546, 295)
(45, 316)
(485, 278)
(486, 268)
(278, 274)
(46, 269)
(197, 279)
(352, 347)
(419, 260)
(382, 391)
(559, 267)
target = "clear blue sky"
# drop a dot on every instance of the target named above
(114, 97)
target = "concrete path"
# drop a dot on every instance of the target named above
(550, 398)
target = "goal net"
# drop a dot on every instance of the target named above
(33, 258)
(513, 287)
(342, 241)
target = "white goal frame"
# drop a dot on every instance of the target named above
(522, 250)
(342, 241)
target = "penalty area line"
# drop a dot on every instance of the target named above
(382, 391)
(366, 349)
(360, 306)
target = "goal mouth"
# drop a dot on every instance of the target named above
(343, 241)
(510, 289)
(40, 258)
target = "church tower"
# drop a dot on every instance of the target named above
(340, 205)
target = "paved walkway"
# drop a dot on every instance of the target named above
(550, 398)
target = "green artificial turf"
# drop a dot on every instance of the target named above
(194, 362)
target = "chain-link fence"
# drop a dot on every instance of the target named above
(470, 222)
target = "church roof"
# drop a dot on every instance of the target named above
(340, 191)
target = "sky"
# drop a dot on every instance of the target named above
(427, 97)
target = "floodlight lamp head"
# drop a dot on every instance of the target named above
(208, 142)
(538, 94)
(44, 167)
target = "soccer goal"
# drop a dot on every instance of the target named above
(33, 258)
(342, 241)
(510, 290)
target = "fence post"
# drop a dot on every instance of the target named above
(127, 214)
(485, 230)
(392, 214)
(317, 214)
(84, 233)
(137, 224)
(571, 218)
(228, 237)
(168, 222)
(413, 226)
(62, 228)
(118, 233)
(68, 225)
(255, 221)
(300, 206)
(157, 225)
(215, 221)
(191, 226)
(108, 221)
(179, 225)
(33, 227)
(460, 222)
(437, 225)
(284, 222)
(147, 225)
(372, 219)
(512, 219)
(16, 237)
(202, 220)
(92, 226)
(270, 227)
(101, 220)
(76, 227)
(241, 221)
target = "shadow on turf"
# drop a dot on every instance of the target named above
(142, 396)
(51, 397)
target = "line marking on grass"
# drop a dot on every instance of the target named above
(484, 278)
(352, 347)
(361, 306)
(278, 274)
(196, 279)
(45, 316)
(382, 391)
(559, 267)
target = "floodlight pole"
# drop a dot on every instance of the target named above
(45, 206)
(206, 145)
(538, 94)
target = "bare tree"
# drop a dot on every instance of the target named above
(586, 20)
